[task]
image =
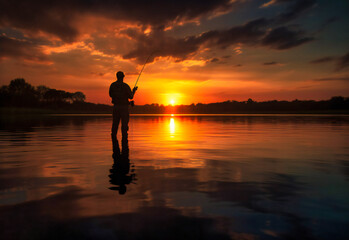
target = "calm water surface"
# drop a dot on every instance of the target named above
(190, 177)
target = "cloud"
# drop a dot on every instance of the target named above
(252, 33)
(343, 62)
(159, 12)
(322, 60)
(274, 2)
(273, 63)
(214, 60)
(247, 33)
(53, 17)
(327, 23)
(23, 49)
(270, 63)
(159, 44)
(181, 48)
(256, 33)
(293, 11)
(60, 18)
(284, 38)
(332, 79)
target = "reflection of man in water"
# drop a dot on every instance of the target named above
(120, 93)
(120, 175)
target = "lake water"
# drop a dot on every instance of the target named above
(190, 177)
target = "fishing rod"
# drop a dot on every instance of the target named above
(142, 69)
(132, 103)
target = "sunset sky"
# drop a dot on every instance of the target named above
(203, 51)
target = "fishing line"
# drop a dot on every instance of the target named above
(142, 69)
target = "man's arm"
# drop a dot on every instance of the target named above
(110, 90)
(131, 93)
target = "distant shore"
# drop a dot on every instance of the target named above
(44, 111)
(20, 97)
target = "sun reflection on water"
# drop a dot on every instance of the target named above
(172, 127)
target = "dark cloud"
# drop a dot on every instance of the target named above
(24, 49)
(331, 20)
(332, 79)
(327, 23)
(275, 2)
(322, 60)
(158, 44)
(59, 17)
(253, 33)
(270, 63)
(246, 33)
(53, 17)
(159, 12)
(295, 9)
(343, 62)
(285, 38)
(214, 60)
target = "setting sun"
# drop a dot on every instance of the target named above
(172, 99)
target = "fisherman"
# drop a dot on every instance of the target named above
(120, 93)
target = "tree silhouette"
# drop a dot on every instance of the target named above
(19, 93)
(78, 97)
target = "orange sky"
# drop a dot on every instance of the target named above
(227, 50)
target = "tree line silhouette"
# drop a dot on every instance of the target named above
(20, 94)
(336, 104)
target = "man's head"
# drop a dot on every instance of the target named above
(120, 76)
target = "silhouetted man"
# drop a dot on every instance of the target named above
(120, 93)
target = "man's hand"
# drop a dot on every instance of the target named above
(134, 90)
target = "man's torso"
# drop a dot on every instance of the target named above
(120, 93)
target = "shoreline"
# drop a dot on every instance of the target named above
(41, 111)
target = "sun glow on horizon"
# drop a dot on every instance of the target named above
(172, 98)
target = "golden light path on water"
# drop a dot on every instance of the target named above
(171, 138)
(172, 127)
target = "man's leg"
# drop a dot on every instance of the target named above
(124, 126)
